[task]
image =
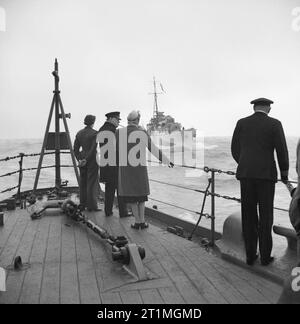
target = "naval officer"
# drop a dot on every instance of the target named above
(254, 141)
(109, 173)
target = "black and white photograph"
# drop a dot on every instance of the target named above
(149, 155)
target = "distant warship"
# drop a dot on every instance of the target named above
(161, 123)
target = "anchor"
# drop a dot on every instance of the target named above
(129, 254)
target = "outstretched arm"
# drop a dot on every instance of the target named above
(157, 152)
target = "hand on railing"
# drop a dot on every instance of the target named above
(284, 178)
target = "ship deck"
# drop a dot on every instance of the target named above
(67, 263)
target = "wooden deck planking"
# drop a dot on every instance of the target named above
(50, 289)
(266, 288)
(71, 264)
(258, 288)
(200, 275)
(204, 273)
(170, 295)
(178, 279)
(15, 278)
(144, 285)
(69, 282)
(219, 280)
(247, 282)
(187, 289)
(30, 293)
(10, 219)
(24, 251)
(151, 296)
(88, 286)
(131, 297)
(206, 292)
(111, 298)
(8, 253)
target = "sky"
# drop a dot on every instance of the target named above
(211, 56)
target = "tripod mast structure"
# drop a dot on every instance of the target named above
(155, 105)
(56, 141)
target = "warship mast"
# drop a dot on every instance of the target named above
(155, 106)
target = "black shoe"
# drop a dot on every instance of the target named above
(250, 261)
(135, 225)
(267, 262)
(144, 225)
(109, 214)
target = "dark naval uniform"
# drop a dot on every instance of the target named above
(254, 141)
(89, 183)
(109, 174)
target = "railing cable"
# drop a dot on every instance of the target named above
(179, 207)
(30, 169)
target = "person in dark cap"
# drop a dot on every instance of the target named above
(109, 173)
(254, 141)
(85, 153)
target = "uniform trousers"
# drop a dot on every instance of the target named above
(257, 197)
(110, 189)
(89, 185)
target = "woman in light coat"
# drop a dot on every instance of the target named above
(133, 182)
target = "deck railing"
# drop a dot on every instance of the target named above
(211, 179)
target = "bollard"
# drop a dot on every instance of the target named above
(11, 204)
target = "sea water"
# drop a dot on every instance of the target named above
(216, 154)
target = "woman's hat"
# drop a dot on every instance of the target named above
(135, 114)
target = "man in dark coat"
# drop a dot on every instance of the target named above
(254, 141)
(89, 180)
(109, 173)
